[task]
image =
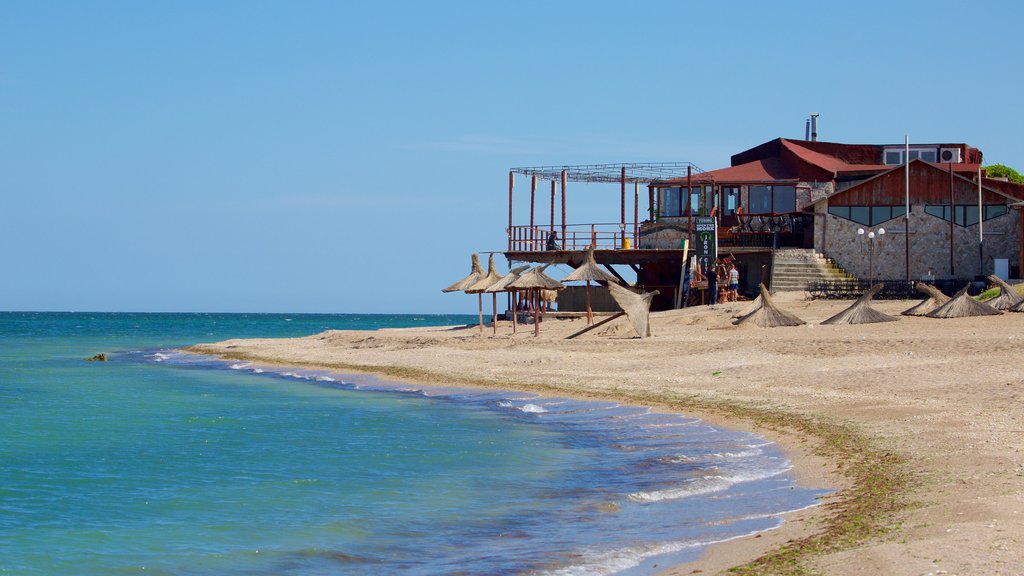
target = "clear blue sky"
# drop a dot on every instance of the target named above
(348, 156)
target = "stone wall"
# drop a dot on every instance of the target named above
(929, 245)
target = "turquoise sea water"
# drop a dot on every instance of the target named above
(159, 462)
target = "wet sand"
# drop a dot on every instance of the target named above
(937, 403)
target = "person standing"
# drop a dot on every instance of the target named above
(734, 283)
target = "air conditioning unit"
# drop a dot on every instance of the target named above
(947, 155)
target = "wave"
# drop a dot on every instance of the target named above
(527, 408)
(707, 485)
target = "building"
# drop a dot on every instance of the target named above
(844, 202)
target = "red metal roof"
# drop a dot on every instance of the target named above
(767, 170)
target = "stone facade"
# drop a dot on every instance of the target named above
(929, 245)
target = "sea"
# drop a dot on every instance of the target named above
(159, 462)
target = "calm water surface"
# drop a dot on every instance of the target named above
(162, 463)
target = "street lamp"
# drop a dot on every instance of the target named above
(871, 251)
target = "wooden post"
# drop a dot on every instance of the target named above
(511, 184)
(952, 221)
(494, 311)
(515, 312)
(689, 199)
(533, 194)
(636, 215)
(650, 201)
(564, 239)
(622, 205)
(552, 206)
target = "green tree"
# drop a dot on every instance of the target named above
(1001, 171)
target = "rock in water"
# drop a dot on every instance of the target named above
(101, 357)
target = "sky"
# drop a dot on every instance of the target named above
(350, 156)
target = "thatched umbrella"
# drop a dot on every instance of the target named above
(466, 283)
(589, 272)
(754, 305)
(480, 286)
(861, 312)
(962, 306)
(935, 299)
(1008, 296)
(474, 276)
(636, 306)
(536, 281)
(502, 285)
(768, 315)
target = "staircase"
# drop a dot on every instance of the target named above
(795, 268)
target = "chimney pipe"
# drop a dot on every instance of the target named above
(814, 127)
(807, 129)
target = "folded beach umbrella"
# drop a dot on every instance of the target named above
(502, 285)
(478, 288)
(535, 280)
(935, 299)
(861, 312)
(768, 315)
(750, 309)
(636, 306)
(1008, 295)
(962, 306)
(589, 272)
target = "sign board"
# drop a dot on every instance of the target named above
(706, 230)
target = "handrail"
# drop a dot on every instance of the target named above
(604, 236)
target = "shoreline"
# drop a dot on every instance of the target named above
(912, 420)
(808, 469)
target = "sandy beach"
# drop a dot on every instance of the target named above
(917, 423)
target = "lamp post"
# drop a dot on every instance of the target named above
(871, 251)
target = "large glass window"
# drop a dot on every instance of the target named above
(695, 203)
(730, 200)
(783, 199)
(671, 202)
(965, 214)
(760, 199)
(868, 215)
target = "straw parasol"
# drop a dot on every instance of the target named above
(1008, 296)
(636, 306)
(474, 276)
(536, 281)
(502, 285)
(480, 286)
(861, 312)
(768, 315)
(935, 299)
(589, 272)
(962, 306)
(754, 305)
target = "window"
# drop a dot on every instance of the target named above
(783, 199)
(695, 204)
(670, 202)
(965, 214)
(730, 200)
(894, 156)
(772, 199)
(868, 215)
(760, 199)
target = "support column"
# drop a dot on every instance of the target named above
(552, 206)
(952, 222)
(636, 215)
(650, 201)
(565, 175)
(511, 184)
(622, 204)
(689, 200)
(533, 194)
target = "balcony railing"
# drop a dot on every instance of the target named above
(604, 236)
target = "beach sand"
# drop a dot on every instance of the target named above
(918, 423)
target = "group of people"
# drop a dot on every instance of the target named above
(724, 279)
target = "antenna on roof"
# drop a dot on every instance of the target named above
(814, 126)
(807, 129)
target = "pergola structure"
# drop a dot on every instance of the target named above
(635, 173)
